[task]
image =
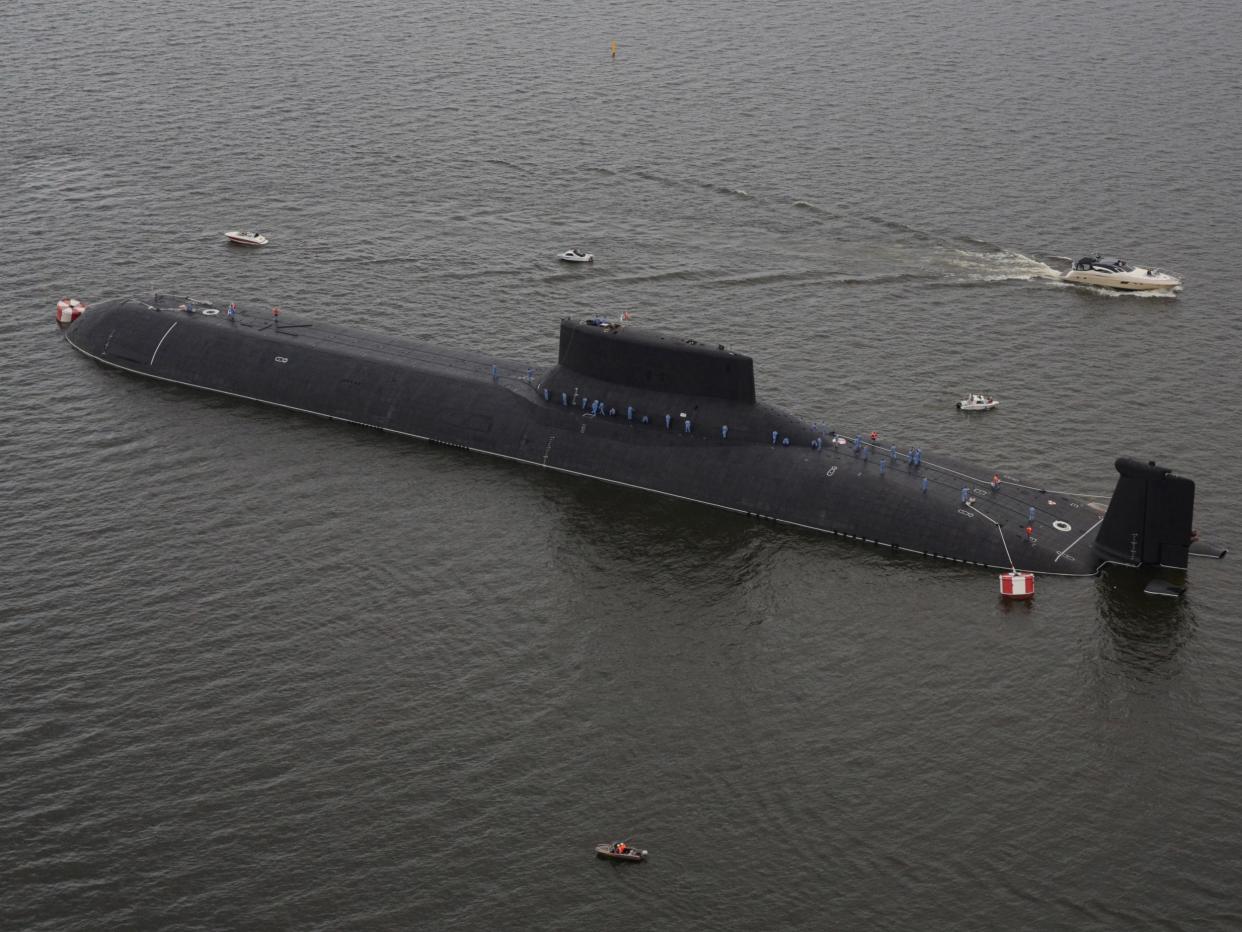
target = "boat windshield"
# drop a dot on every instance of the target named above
(1103, 264)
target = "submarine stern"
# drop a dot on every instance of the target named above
(1150, 517)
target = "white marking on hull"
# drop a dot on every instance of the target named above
(157, 345)
(1076, 540)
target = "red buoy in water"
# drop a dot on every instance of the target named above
(1015, 585)
(68, 310)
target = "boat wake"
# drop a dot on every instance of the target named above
(835, 245)
(1158, 293)
(1001, 265)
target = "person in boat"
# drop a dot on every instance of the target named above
(619, 847)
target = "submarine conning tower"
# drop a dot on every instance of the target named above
(652, 361)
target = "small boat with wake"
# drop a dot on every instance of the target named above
(246, 238)
(1107, 272)
(620, 851)
(977, 402)
(575, 255)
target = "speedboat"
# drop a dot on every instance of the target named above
(976, 402)
(246, 238)
(1118, 273)
(620, 851)
(575, 255)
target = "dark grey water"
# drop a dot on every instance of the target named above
(261, 671)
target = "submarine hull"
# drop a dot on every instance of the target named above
(636, 409)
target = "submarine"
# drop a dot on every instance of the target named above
(659, 413)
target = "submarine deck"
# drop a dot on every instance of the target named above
(727, 458)
(358, 343)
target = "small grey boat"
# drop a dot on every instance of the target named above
(620, 851)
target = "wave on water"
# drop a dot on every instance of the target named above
(692, 184)
(1001, 265)
(66, 182)
(818, 277)
(360, 259)
(469, 274)
(953, 258)
(503, 163)
(1161, 293)
(685, 275)
(898, 227)
(53, 175)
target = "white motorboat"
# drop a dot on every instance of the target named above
(976, 402)
(575, 255)
(1106, 272)
(246, 238)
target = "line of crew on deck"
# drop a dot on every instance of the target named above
(914, 458)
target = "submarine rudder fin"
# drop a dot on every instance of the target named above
(1150, 517)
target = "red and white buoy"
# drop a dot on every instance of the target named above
(1015, 585)
(68, 310)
